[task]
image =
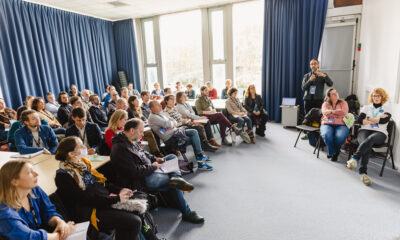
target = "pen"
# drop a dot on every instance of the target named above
(162, 170)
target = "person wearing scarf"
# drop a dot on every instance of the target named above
(88, 196)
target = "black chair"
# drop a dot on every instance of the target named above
(391, 129)
(164, 148)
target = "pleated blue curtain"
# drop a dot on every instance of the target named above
(125, 47)
(45, 49)
(292, 37)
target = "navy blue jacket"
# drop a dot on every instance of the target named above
(93, 134)
(99, 115)
(24, 140)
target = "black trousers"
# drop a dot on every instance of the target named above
(309, 104)
(367, 139)
(127, 225)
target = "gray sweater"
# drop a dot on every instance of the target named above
(187, 110)
(159, 124)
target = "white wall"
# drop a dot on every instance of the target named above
(380, 55)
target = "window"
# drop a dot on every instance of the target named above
(217, 46)
(248, 43)
(150, 56)
(181, 48)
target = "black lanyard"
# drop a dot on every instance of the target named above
(38, 141)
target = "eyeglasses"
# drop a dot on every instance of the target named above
(376, 96)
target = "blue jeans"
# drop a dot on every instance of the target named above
(192, 137)
(241, 121)
(159, 182)
(334, 136)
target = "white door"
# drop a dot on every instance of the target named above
(337, 54)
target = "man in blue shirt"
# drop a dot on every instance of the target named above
(34, 137)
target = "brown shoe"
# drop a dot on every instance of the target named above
(251, 135)
(214, 143)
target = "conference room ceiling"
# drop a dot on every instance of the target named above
(122, 9)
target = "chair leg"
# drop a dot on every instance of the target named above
(392, 158)
(316, 146)
(319, 146)
(301, 130)
(184, 157)
(384, 161)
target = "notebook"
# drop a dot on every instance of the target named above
(31, 155)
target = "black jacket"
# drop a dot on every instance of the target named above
(79, 203)
(250, 103)
(93, 134)
(63, 113)
(99, 115)
(131, 168)
(88, 118)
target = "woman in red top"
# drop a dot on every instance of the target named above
(116, 125)
(212, 92)
(333, 129)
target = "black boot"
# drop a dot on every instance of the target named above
(208, 147)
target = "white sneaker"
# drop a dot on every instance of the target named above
(233, 136)
(352, 164)
(365, 179)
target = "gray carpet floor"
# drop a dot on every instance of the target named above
(272, 190)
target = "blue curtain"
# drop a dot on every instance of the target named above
(45, 49)
(292, 37)
(125, 47)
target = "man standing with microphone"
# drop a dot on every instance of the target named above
(313, 86)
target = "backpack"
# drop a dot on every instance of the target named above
(353, 103)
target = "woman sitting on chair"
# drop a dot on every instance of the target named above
(116, 124)
(374, 120)
(254, 105)
(333, 129)
(238, 114)
(25, 208)
(88, 196)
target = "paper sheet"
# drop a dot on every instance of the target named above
(169, 166)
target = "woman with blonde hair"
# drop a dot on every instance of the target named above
(25, 207)
(374, 119)
(254, 105)
(115, 125)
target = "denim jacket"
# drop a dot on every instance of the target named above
(24, 140)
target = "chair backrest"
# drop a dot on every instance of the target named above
(391, 129)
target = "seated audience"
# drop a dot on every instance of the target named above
(116, 124)
(125, 93)
(121, 103)
(374, 119)
(145, 103)
(205, 107)
(34, 137)
(224, 93)
(238, 114)
(73, 91)
(254, 105)
(132, 91)
(6, 116)
(52, 105)
(167, 91)
(98, 112)
(166, 127)
(157, 93)
(135, 111)
(178, 87)
(77, 102)
(333, 129)
(28, 101)
(187, 111)
(64, 109)
(85, 99)
(17, 125)
(25, 209)
(106, 93)
(190, 93)
(173, 113)
(113, 100)
(38, 106)
(88, 132)
(212, 92)
(136, 169)
(107, 98)
(88, 196)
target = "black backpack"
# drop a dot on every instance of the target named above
(353, 103)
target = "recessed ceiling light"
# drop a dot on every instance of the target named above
(118, 4)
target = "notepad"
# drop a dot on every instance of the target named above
(96, 158)
(80, 231)
(201, 120)
(31, 155)
(169, 166)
